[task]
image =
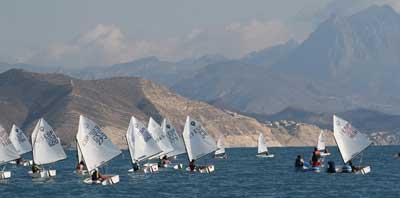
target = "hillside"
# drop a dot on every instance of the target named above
(60, 99)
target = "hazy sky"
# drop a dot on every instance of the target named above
(99, 32)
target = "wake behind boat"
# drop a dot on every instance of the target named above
(262, 148)
(47, 149)
(198, 143)
(7, 153)
(350, 143)
(97, 149)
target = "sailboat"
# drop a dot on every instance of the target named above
(7, 153)
(21, 144)
(47, 149)
(262, 148)
(174, 139)
(321, 146)
(350, 142)
(141, 146)
(162, 141)
(198, 143)
(97, 149)
(220, 153)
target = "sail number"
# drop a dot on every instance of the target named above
(199, 130)
(97, 135)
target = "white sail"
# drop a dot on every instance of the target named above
(350, 141)
(97, 149)
(79, 152)
(46, 145)
(197, 140)
(141, 144)
(19, 140)
(321, 141)
(7, 150)
(161, 139)
(262, 146)
(220, 145)
(175, 139)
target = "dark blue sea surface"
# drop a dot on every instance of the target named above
(241, 175)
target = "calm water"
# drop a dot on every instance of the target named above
(242, 175)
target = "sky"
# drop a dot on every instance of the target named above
(79, 33)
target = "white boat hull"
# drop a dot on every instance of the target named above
(150, 168)
(173, 166)
(325, 154)
(111, 179)
(266, 156)
(23, 163)
(43, 174)
(5, 175)
(204, 169)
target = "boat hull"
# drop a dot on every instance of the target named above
(43, 174)
(266, 156)
(110, 180)
(5, 175)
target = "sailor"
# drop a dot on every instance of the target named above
(164, 161)
(316, 158)
(80, 166)
(353, 168)
(96, 175)
(35, 168)
(331, 167)
(18, 161)
(326, 150)
(135, 166)
(192, 166)
(299, 163)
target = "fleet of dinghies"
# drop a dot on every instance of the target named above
(145, 144)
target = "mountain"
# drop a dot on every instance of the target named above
(346, 63)
(25, 97)
(383, 129)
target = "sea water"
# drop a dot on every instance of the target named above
(241, 175)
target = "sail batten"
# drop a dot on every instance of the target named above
(46, 146)
(7, 149)
(19, 140)
(141, 144)
(350, 141)
(96, 148)
(262, 146)
(198, 141)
